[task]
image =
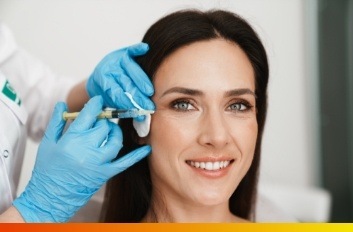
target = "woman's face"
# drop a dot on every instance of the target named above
(204, 131)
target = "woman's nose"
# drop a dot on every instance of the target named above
(214, 131)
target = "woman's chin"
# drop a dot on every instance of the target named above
(211, 199)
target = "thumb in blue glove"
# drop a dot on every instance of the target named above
(71, 167)
(118, 73)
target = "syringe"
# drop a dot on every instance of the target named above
(116, 113)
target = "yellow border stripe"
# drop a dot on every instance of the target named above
(263, 227)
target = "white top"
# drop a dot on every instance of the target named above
(28, 92)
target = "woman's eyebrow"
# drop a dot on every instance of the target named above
(238, 92)
(194, 92)
(183, 90)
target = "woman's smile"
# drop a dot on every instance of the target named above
(209, 168)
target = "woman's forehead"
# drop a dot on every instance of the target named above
(206, 64)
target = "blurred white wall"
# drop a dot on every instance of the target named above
(71, 36)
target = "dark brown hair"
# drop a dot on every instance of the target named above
(128, 195)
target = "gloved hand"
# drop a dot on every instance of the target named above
(118, 73)
(71, 167)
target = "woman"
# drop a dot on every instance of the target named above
(210, 74)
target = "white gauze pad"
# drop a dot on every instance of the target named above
(142, 128)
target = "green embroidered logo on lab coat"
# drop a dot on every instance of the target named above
(9, 92)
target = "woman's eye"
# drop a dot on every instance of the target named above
(239, 107)
(182, 105)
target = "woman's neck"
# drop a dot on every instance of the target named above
(172, 210)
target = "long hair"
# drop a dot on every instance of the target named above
(128, 195)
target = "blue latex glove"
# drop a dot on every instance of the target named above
(71, 167)
(118, 73)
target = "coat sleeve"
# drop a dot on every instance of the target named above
(38, 86)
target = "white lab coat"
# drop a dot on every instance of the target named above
(39, 89)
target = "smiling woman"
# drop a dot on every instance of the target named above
(210, 74)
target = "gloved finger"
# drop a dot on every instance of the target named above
(109, 91)
(129, 86)
(113, 144)
(128, 160)
(138, 49)
(88, 115)
(98, 133)
(138, 76)
(140, 118)
(56, 125)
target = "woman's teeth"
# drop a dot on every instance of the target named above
(210, 166)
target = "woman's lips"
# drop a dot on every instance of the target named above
(211, 168)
